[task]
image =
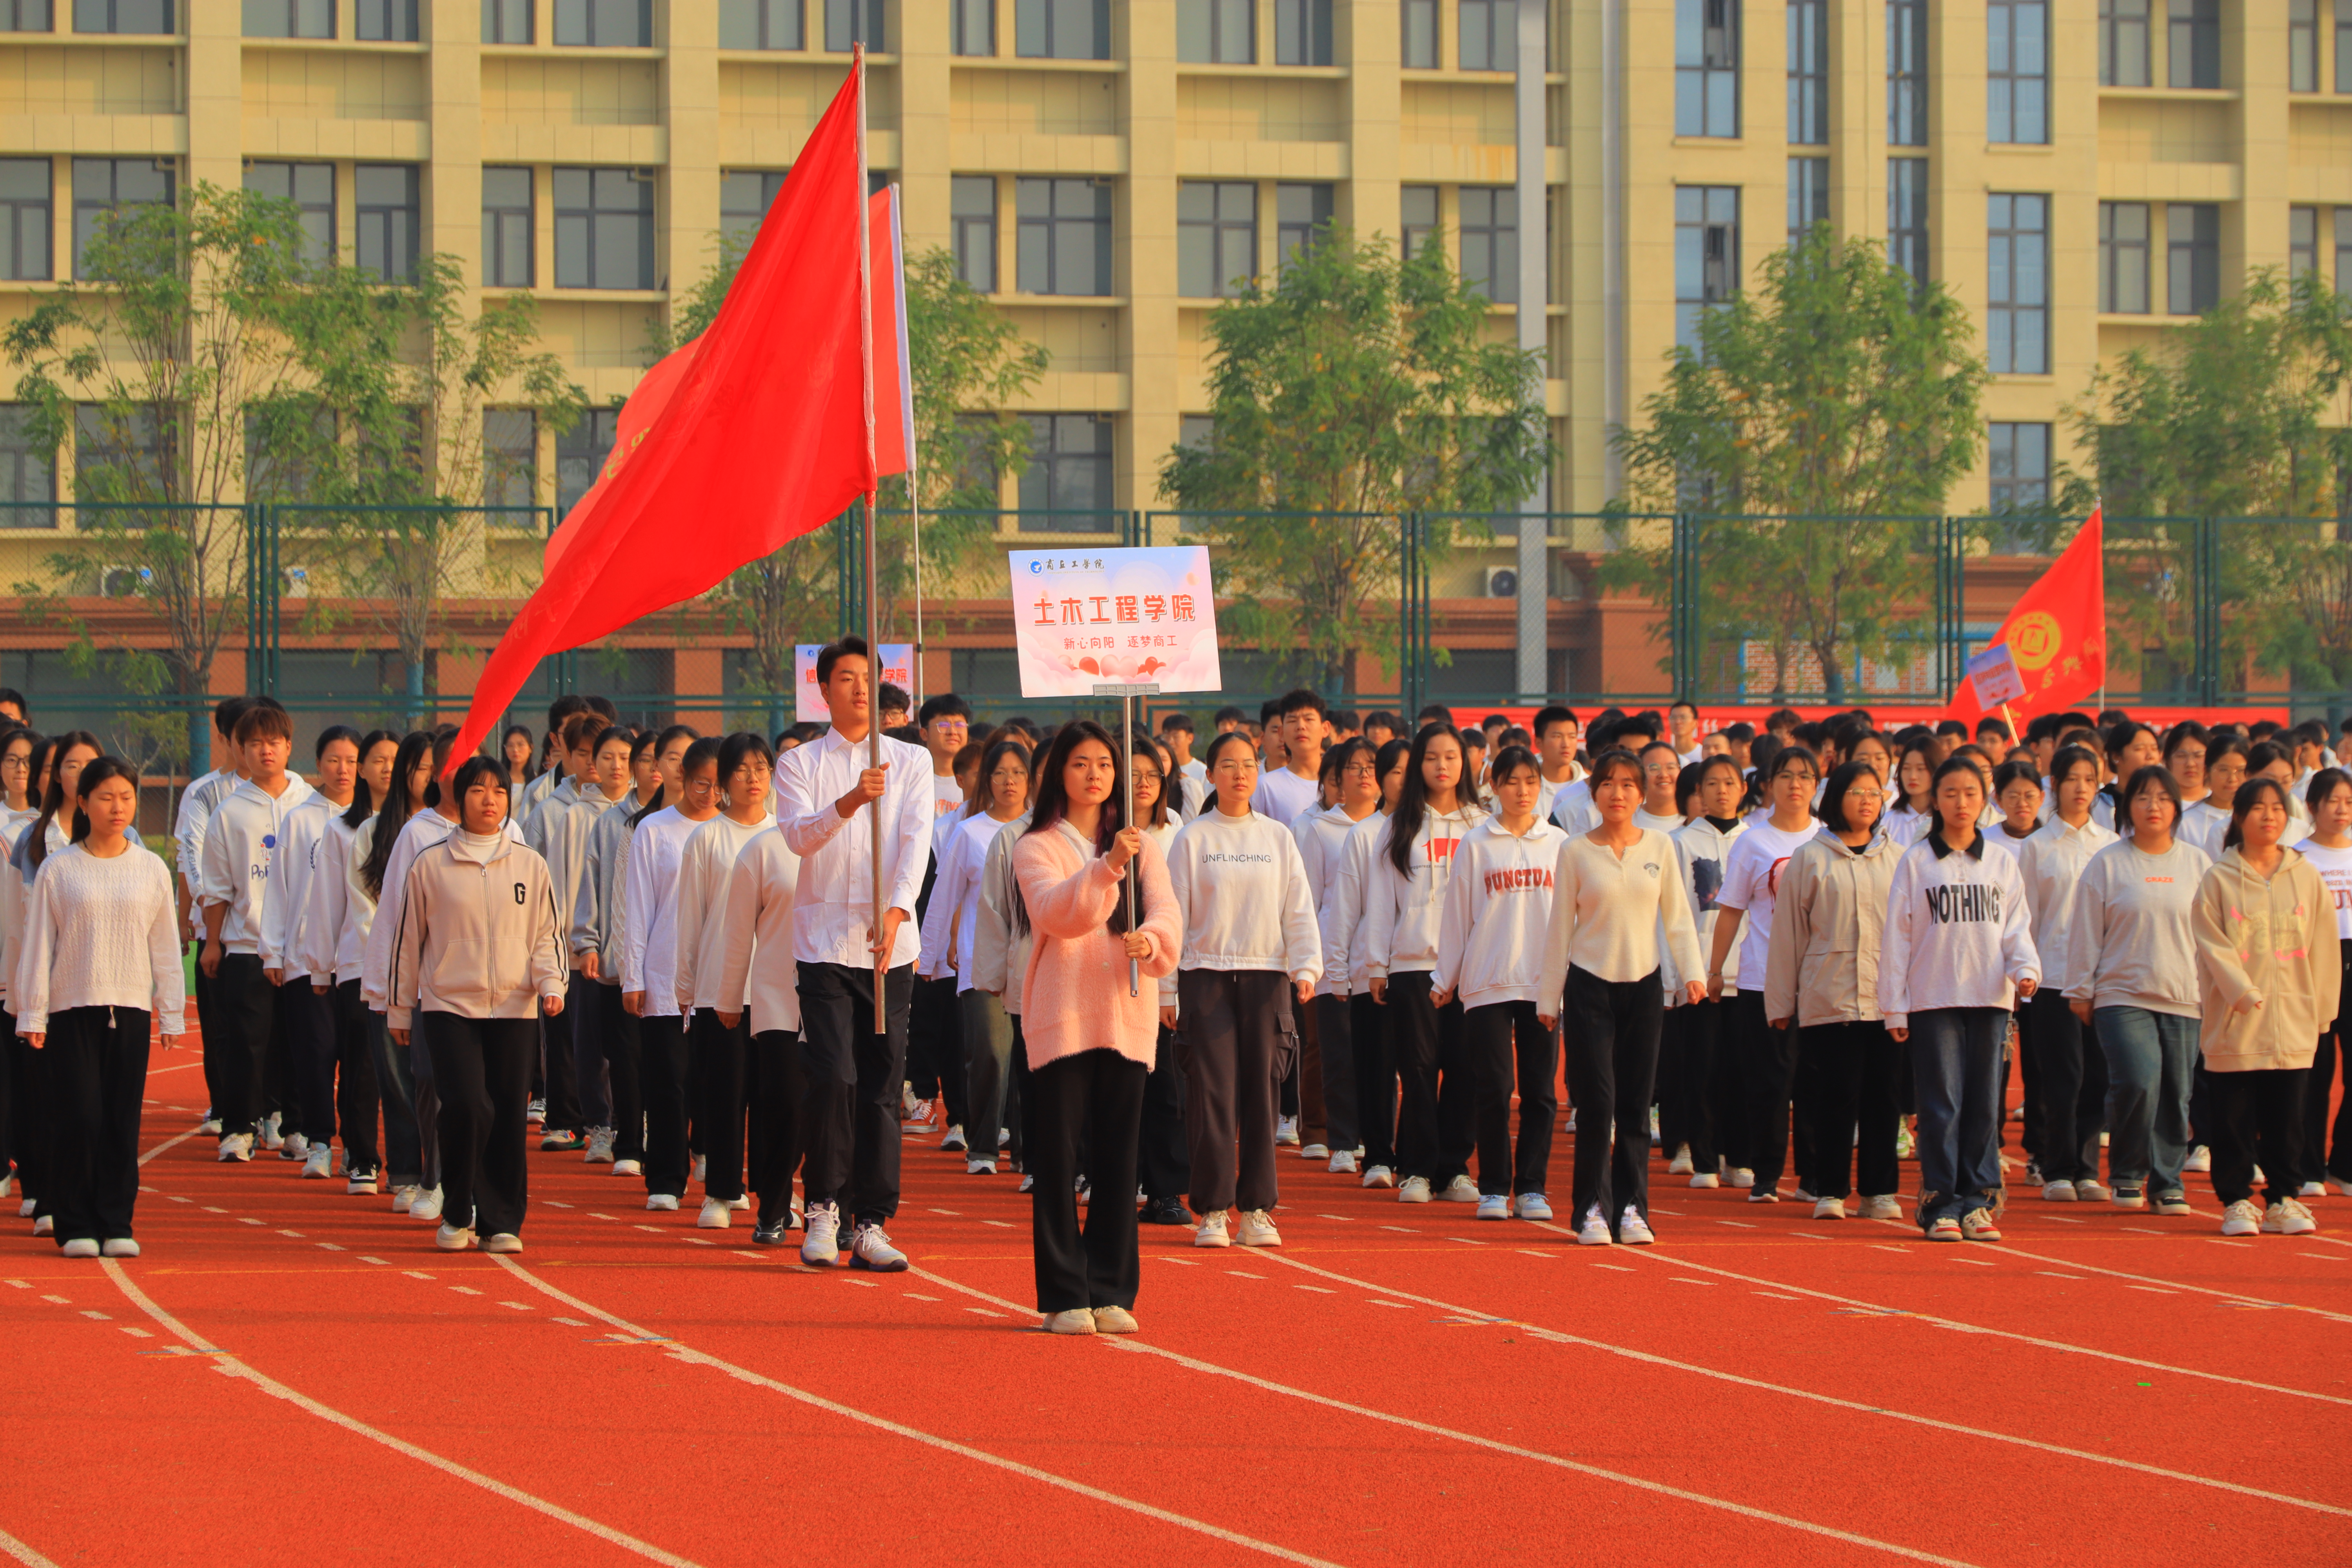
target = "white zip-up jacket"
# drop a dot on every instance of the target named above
(596, 909)
(240, 857)
(337, 914)
(425, 828)
(197, 803)
(13, 893)
(476, 934)
(1957, 933)
(560, 832)
(99, 933)
(1244, 895)
(755, 956)
(703, 869)
(951, 922)
(2053, 862)
(296, 863)
(1322, 839)
(649, 941)
(1490, 934)
(1829, 931)
(1399, 929)
(1343, 908)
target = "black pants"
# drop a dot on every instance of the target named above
(2069, 1096)
(722, 1078)
(775, 1081)
(1095, 1098)
(306, 1020)
(2255, 1118)
(2328, 1153)
(1237, 1038)
(1851, 1082)
(27, 1125)
(208, 1031)
(246, 1011)
(1376, 1080)
(935, 1049)
(407, 1160)
(1505, 1042)
(849, 1122)
(987, 1035)
(662, 1075)
(95, 1065)
(560, 1071)
(1433, 1116)
(482, 1068)
(1163, 1162)
(1688, 1037)
(1610, 1027)
(1335, 1042)
(621, 1045)
(1766, 1061)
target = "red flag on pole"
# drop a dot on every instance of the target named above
(2052, 651)
(747, 437)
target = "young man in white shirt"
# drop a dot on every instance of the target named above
(1176, 735)
(828, 795)
(1682, 719)
(197, 803)
(934, 1033)
(946, 723)
(1295, 787)
(1557, 734)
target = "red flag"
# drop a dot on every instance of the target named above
(760, 436)
(2056, 637)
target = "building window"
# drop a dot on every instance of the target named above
(1808, 197)
(761, 25)
(2123, 43)
(386, 207)
(2123, 257)
(2192, 257)
(973, 201)
(1707, 67)
(1809, 73)
(311, 189)
(2343, 48)
(1417, 209)
(117, 457)
(25, 17)
(1419, 19)
(1489, 35)
(289, 18)
(1216, 239)
(28, 473)
(26, 252)
(2019, 462)
(384, 21)
(1907, 216)
(604, 23)
(744, 197)
(1216, 32)
(104, 185)
(510, 464)
(2302, 46)
(1068, 472)
(2018, 292)
(975, 27)
(505, 21)
(123, 17)
(1061, 29)
(1907, 73)
(604, 228)
(579, 454)
(1302, 31)
(1064, 237)
(1490, 241)
(508, 228)
(2302, 241)
(2193, 43)
(2017, 71)
(1301, 213)
(1197, 432)
(851, 22)
(1706, 255)
(2343, 250)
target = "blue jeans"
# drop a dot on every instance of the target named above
(2150, 1059)
(1955, 1068)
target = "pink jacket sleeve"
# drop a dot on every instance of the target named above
(1069, 904)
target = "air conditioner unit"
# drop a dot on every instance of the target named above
(296, 583)
(1502, 582)
(123, 581)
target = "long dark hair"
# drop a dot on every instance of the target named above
(1156, 814)
(997, 750)
(530, 762)
(363, 804)
(414, 747)
(1412, 801)
(661, 744)
(1054, 802)
(53, 799)
(93, 776)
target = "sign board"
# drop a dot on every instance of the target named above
(808, 703)
(1993, 677)
(1083, 619)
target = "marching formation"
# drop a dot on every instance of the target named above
(1792, 958)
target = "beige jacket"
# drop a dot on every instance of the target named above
(478, 934)
(2268, 972)
(1826, 926)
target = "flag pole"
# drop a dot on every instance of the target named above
(872, 608)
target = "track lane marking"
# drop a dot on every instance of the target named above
(22, 1553)
(2178, 1284)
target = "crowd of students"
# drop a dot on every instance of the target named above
(1810, 950)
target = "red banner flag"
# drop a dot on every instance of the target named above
(757, 435)
(2055, 641)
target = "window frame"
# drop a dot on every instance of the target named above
(584, 447)
(2126, 23)
(2302, 240)
(309, 19)
(1419, 35)
(977, 234)
(1216, 32)
(1304, 33)
(1906, 73)
(1414, 230)
(1045, 22)
(1715, 239)
(17, 10)
(1495, 234)
(495, 234)
(2117, 252)
(20, 459)
(323, 239)
(762, 15)
(500, 469)
(1051, 223)
(732, 216)
(1707, 52)
(589, 15)
(13, 211)
(111, 10)
(1048, 468)
(852, 22)
(167, 168)
(497, 13)
(2302, 46)
(963, 30)
(2192, 261)
(1294, 236)
(2007, 308)
(587, 220)
(1224, 234)
(413, 209)
(2017, 501)
(2192, 44)
(1907, 232)
(2008, 23)
(401, 24)
(1809, 73)
(1500, 50)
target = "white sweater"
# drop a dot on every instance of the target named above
(951, 921)
(335, 922)
(1343, 907)
(99, 933)
(1490, 934)
(1617, 915)
(1957, 933)
(1243, 892)
(755, 953)
(1322, 837)
(296, 866)
(703, 869)
(649, 939)
(1702, 854)
(13, 893)
(240, 858)
(1398, 930)
(2052, 862)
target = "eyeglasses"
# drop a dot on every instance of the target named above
(1361, 771)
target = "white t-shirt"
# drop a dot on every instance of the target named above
(1751, 881)
(1283, 794)
(947, 795)
(2335, 868)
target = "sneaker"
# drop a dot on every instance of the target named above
(1004, 1138)
(1680, 1165)
(1311, 1151)
(401, 1197)
(1706, 1179)
(1494, 1205)
(118, 1246)
(2090, 1190)
(661, 1203)
(1829, 1209)
(2241, 1218)
(565, 1141)
(715, 1216)
(2061, 1191)
(1757, 1195)
(907, 1103)
(1413, 1190)
(2129, 1198)
(1085, 1191)
(1285, 1132)
(2034, 1177)
(1028, 1182)
(320, 1164)
(1594, 1231)
(504, 1241)
(2288, 1217)
(768, 1235)
(1653, 1124)
(2173, 1202)
(741, 1202)
(1257, 1229)
(537, 1115)
(919, 1114)
(1531, 1205)
(869, 1248)
(44, 1225)
(1163, 1211)
(428, 1205)
(25, 1210)
(2308, 1190)
(1906, 1146)
(1380, 1176)
(453, 1238)
(1741, 1177)
(237, 1148)
(600, 1146)
(210, 1126)
(1633, 1229)
(2260, 1180)
(1115, 1321)
(1343, 1163)
(1076, 1321)
(627, 1168)
(2343, 1187)
(1460, 1190)
(294, 1146)
(1943, 1229)
(80, 1247)
(1571, 1119)
(953, 1142)
(270, 1137)
(821, 1247)
(1212, 1231)
(361, 1182)
(2200, 1159)
(1803, 1194)
(1977, 1225)
(1882, 1206)
(979, 1167)
(700, 1162)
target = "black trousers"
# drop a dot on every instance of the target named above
(482, 1068)
(1849, 1073)
(559, 1069)
(1688, 1038)
(1505, 1043)
(662, 1075)
(1433, 1133)
(1237, 1039)
(987, 1034)
(1766, 1058)
(2325, 1151)
(95, 1065)
(935, 1049)
(849, 1122)
(1163, 1162)
(1093, 1098)
(246, 1011)
(1376, 1080)
(621, 1047)
(2253, 1119)
(1610, 1027)
(774, 1084)
(2069, 1096)
(307, 1021)
(722, 1080)
(27, 1128)
(208, 1031)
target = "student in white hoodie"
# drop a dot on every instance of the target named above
(341, 921)
(1957, 953)
(562, 1107)
(477, 946)
(313, 1046)
(2072, 1081)
(759, 990)
(1163, 1156)
(1490, 946)
(1353, 768)
(649, 968)
(1250, 943)
(19, 806)
(951, 932)
(1340, 916)
(2205, 822)
(240, 857)
(564, 838)
(1407, 866)
(598, 919)
(329, 936)
(1694, 1092)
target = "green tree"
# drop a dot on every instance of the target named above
(1354, 388)
(1839, 389)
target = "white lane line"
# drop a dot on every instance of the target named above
(167, 1143)
(2180, 1284)
(681, 1352)
(22, 1553)
(1619, 1477)
(226, 1363)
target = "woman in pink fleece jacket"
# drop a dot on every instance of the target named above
(1090, 1043)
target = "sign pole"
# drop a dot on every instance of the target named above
(872, 608)
(1126, 694)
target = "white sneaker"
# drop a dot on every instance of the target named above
(1742, 1177)
(1257, 1229)
(1460, 1190)
(1531, 1205)
(1594, 1231)
(1706, 1179)
(294, 1146)
(1633, 1229)
(1315, 1151)
(741, 1202)
(2059, 1192)
(2311, 1190)
(271, 1137)
(536, 1114)
(453, 1238)
(2261, 1180)
(1804, 1197)
(25, 1210)
(1494, 1205)
(1004, 1138)
(359, 1183)
(2343, 1188)
(237, 1148)
(979, 1167)
(426, 1205)
(46, 1225)
(821, 1247)
(1680, 1165)
(2241, 1218)
(210, 1126)
(869, 1248)
(118, 1246)
(599, 1145)
(627, 1168)
(320, 1164)
(661, 1203)
(2288, 1217)
(1343, 1164)
(2091, 1189)
(2200, 1158)
(1829, 1209)
(1882, 1206)
(1571, 1119)
(505, 1241)
(80, 1247)
(1285, 1132)
(701, 1162)
(401, 1197)
(1413, 1190)
(1378, 1176)
(715, 1216)
(1028, 1182)
(1212, 1231)
(953, 1142)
